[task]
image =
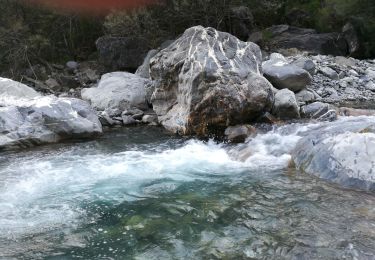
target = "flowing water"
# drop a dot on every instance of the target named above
(138, 193)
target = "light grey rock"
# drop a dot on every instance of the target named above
(342, 152)
(207, 80)
(319, 111)
(286, 106)
(370, 86)
(40, 120)
(283, 75)
(239, 134)
(284, 37)
(13, 89)
(144, 70)
(307, 96)
(306, 64)
(330, 73)
(118, 90)
(343, 61)
(150, 119)
(370, 72)
(72, 65)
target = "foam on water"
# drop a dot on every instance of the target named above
(43, 193)
(40, 194)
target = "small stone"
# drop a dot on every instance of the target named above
(134, 113)
(72, 65)
(53, 84)
(306, 64)
(330, 73)
(150, 119)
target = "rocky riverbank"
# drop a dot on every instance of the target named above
(206, 83)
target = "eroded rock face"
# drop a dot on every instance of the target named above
(207, 80)
(118, 90)
(343, 153)
(32, 120)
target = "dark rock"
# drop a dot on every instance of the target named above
(239, 134)
(298, 17)
(122, 53)
(350, 34)
(128, 120)
(330, 73)
(134, 113)
(308, 40)
(241, 22)
(283, 75)
(207, 80)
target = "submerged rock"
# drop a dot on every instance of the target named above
(118, 90)
(343, 153)
(32, 119)
(239, 134)
(207, 80)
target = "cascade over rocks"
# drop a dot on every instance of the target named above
(207, 80)
(28, 119)
(343, 152)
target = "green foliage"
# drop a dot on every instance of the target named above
(29, 35)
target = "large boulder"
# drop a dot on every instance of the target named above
(208, 80)
(33, 119)
(284, 75)
(283, 37)
(121, 53)
(342, 152)
(118, 90)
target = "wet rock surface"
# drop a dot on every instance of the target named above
(343, 152)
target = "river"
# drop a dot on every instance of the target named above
(138, 193)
